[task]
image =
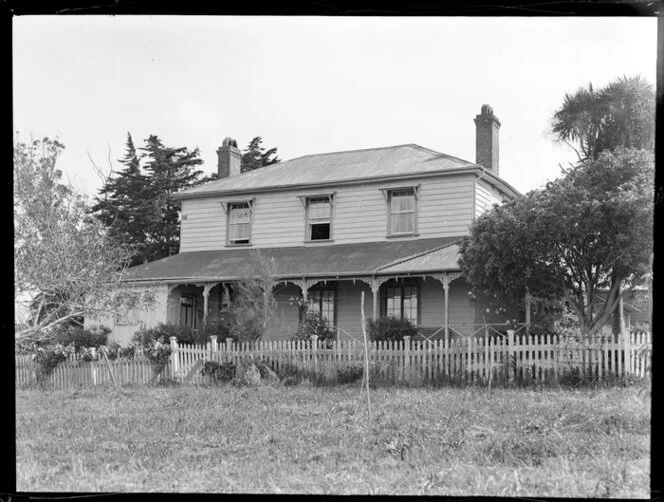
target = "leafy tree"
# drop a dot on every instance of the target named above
(622, 114)
(136, 204)
(586, 238)
(253, 308)
(256, 156)
(65, 264)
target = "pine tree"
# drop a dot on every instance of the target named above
(256, 156)
(121, 202)
(136, 204)
(168, 170)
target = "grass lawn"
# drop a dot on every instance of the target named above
(503, 442)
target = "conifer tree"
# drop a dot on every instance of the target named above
(136, 204)
(168, 170)
(121, 203)
(256, 156)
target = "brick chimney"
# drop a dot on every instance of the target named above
(486, 139)
(230, 159)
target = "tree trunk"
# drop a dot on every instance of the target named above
(616, 321)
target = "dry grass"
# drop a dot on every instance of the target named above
(504, 442)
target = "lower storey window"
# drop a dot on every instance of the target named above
(188, 311)
(401, 301)
(321, 301)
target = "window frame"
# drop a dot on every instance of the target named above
(401, 284)
(333, 290)
(305, 199)
(227, 207)
(387, 194)
(191, 307)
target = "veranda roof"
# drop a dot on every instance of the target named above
(445, 258)
(340, 260)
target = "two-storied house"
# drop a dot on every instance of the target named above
(385, 221)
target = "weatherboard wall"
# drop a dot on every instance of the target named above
(485, 197)
(360, 214)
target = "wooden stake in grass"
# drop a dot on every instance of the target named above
(108, 365)
(366, 354)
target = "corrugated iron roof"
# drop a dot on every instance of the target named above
(440, 259)
(298, 261)
(336, 167)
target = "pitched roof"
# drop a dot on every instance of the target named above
(340, 260)
(335, 167)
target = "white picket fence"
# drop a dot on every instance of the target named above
(472, 358)
(483, 358)
(78, 372)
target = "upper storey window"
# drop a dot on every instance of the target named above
(402, 211)
(319, 218)
(239, 223)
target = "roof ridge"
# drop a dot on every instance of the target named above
(356, 150)
(283, 162)
(416, 255)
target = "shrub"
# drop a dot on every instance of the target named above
(220, 327)
(86, 354)
(158, 354)
(220, 372)
(114, 350)
(48, 358)
(313, 324)
(127, 352)
(145, 337)
(349, 373)
(153, 342)
(79, 337)
(390, 329)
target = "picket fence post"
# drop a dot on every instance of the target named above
(174, 355)
(510, 353)
(229, 345)
(93, 366)
(314, 351)
(406, 345)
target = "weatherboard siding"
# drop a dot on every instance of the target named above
(485, 197)
(432, 304)
(360, 214)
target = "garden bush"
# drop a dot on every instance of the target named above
(313, 324)
(114, 350)
(48, 358)
(220, 327)
(220, 372)
(390, 329)
(80, 337)
(163, 332)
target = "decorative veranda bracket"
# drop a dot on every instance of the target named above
(446, 278)
(374, 282)
(304, 285)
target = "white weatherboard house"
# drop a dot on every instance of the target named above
(385, 221)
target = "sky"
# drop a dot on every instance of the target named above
(312, 84)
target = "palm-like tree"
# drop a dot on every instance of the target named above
(620, 114)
